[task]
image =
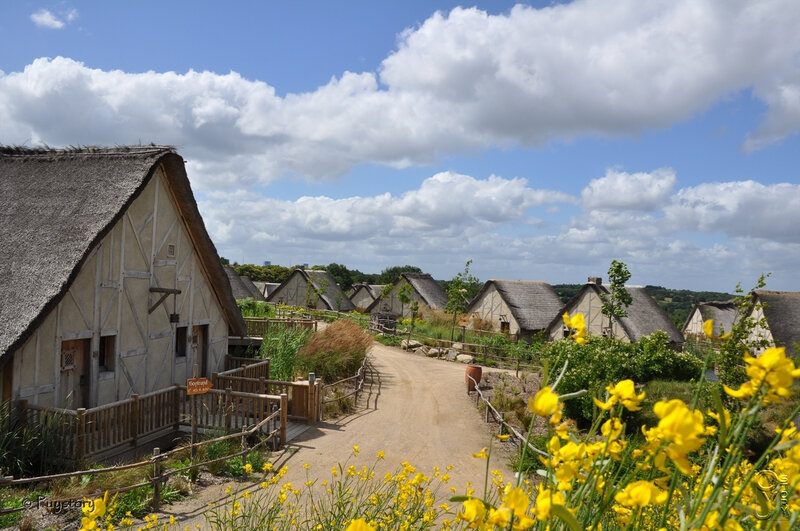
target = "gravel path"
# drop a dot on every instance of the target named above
(413, 408)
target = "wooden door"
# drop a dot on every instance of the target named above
(200, 348)
(74, 373)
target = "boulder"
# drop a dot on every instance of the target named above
(464, 358)
(410, 344)
(451, 354)
(458, 346)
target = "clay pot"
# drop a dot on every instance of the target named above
(475, 371)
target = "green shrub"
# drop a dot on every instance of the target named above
(254, 308)
(605, 360)
(30, 450)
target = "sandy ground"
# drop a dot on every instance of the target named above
(413, 408)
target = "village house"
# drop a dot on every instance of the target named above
(724, 315)
(365, 294)
(110, 283)
(423, 290)
(311, 288)
(780, 311)
(644, 317)
(520, 308)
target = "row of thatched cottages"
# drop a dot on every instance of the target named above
(112, 287)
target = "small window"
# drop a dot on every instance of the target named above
(171, 250)
(180, 342)
(106, 356)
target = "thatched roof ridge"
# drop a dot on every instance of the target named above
(782, 311)
(428, 289)
(328, 290)
(56, 205)
(266, 288)
(242, 287)
(533, 303)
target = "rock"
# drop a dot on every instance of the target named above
(422, 351)
(464, 358)
(458, 346)
(410, 344)
(451, 354)
(432, 353)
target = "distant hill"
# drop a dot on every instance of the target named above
(676, 302)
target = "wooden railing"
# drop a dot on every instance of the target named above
(304, 401)
(258, 326)
(90, 432)
(251, 368)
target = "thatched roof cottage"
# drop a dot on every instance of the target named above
(645, 316)
(311, 288)
(425, 291)
(242, 287)
(519, 308)
(781, 311)
(723, 313)
(110, 283)
(365, 294)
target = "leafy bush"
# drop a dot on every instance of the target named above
(604, 360)
(30, 450)
(336, 352)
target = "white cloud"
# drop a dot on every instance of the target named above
(44, 18)
(745, 209)
(461, 81)
(618, 190)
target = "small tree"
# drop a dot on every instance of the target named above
(618, 299)
(404, 295)
(457, 291)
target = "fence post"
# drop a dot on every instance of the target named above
(79, 444)
(284, 407)
(312, 399)
(228, 408)
(156, 479)
(134, 420)
(244, 446)
(176, 406)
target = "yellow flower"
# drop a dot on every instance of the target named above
(544, 500)
(577, 325)
(359, 525)
(356, 449)
(677, 434)
(381, 454)
(503, 437)
(771, 369)
(267, 467)
(247, 468)
(708, 330)
(474, 512)
(544, 403)
(481, 454)
(641, 494)
(623, 393)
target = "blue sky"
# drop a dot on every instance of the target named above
(541, 140)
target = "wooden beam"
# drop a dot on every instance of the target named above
(165, 292)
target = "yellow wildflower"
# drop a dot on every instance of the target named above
(771, 369)
(359, 524)
(544, 500)
(481, 454)
(624, 392)
(474, 512)
(544, 403)
(641, 494)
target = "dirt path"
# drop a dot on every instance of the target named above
(413, 408)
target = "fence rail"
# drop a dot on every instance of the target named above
(356, 381)
(121, 425)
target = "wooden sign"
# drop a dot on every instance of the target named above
(198, 386)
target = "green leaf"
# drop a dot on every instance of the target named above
(786, 445)
(723, 427)
(567, 517)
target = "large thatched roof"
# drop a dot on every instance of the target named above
(428, 289)
(782, 311)
(56, 205)
(645, 316)
(532, 303)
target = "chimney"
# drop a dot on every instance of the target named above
(595, 280)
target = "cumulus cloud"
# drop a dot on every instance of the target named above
(745, 209)
(618, 190)
(461, 81)
(44, 18)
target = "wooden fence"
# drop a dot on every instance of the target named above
(258, 326)
(245, 367)
(304, 402)
(115, 427)
(352, 385)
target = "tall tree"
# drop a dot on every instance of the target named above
(616, 302)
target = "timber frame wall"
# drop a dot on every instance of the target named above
(139, 314)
